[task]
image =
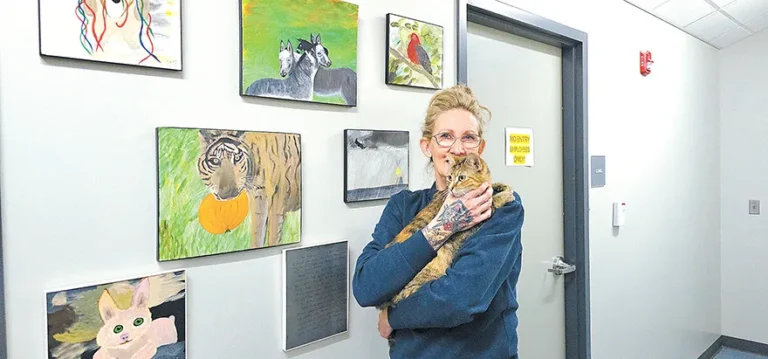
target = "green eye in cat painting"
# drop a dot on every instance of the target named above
(138, 322)
(118, 329)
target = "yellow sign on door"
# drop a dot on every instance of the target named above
(519, 145)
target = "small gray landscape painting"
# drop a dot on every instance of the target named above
(375, 164)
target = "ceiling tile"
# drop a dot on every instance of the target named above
(711, 26)
(758, 24)
(730, 37)
(722, 3)
(745, 11)
(647, 4)
(683, 12)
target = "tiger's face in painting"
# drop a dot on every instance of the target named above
(225, 164)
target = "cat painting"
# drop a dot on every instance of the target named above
(131, 333)
(139, 318)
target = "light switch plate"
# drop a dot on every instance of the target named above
(754, 206)
(598, 171)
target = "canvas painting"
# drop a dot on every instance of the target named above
(222, 191)
(414, 55)
(144, 33)
(302, 50)
(136, 318)
(375, 164)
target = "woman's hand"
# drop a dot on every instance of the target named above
(458, 214)
(384, 329)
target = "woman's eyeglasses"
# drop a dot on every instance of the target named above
(446, 139)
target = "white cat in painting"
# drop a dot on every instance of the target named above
(131, 333)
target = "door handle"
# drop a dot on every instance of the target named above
(560, 267)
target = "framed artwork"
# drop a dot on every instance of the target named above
(414, 53)
(142, 317)
(222, 191)
(375, 164)
(299, 50)
(145, 33)
(315, 293)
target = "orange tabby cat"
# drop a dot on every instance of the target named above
(467, 173)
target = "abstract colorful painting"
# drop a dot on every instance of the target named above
(414, 53)
(143, 33)
(222, 191)
(375, 164)
(135, 318)
(303, 50)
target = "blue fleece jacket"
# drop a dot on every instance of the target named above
(471, 312)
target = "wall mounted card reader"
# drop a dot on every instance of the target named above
(619, 213)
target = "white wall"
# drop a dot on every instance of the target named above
(655, 283)
(744, 128)
(79, 185)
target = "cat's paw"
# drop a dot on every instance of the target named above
(503, 194)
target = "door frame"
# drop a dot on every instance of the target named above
(507, 18)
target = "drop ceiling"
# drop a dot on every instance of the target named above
(720, 23)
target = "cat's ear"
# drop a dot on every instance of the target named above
(141, 295)
(475, 161)
(107, 306)
(450, 160)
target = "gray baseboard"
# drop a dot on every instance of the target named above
(735, 343)
(713, 349)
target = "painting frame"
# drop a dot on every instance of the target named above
(159, 203)
(284, 289)
(346, 195)
(242, 88)
(110, 281)
(179, 68)
(388, 55)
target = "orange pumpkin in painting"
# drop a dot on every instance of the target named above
(220, 217)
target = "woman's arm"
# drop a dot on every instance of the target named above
(469, 286)
(381, 272)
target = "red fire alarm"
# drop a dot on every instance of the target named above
(645, 63)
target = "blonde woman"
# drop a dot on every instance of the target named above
(471, 312)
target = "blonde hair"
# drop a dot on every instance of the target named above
(457, 97)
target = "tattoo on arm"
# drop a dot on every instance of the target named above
(455, 217)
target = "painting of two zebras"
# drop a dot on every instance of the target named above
(222, 191)
(302, 50)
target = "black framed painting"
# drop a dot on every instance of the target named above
(375, 164)
(414, 53)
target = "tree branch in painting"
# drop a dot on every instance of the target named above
(413, 67)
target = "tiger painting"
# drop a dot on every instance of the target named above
(265, 165)
(242, 188)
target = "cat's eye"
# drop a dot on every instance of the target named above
(138, 322)
(118, 329)
(462, 177)
(450, 178)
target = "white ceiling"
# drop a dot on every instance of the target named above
(720, 23)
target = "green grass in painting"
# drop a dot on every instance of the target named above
(266, 22)
(181, 190)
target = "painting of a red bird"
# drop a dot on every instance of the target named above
(414, 53)
(417, 54)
